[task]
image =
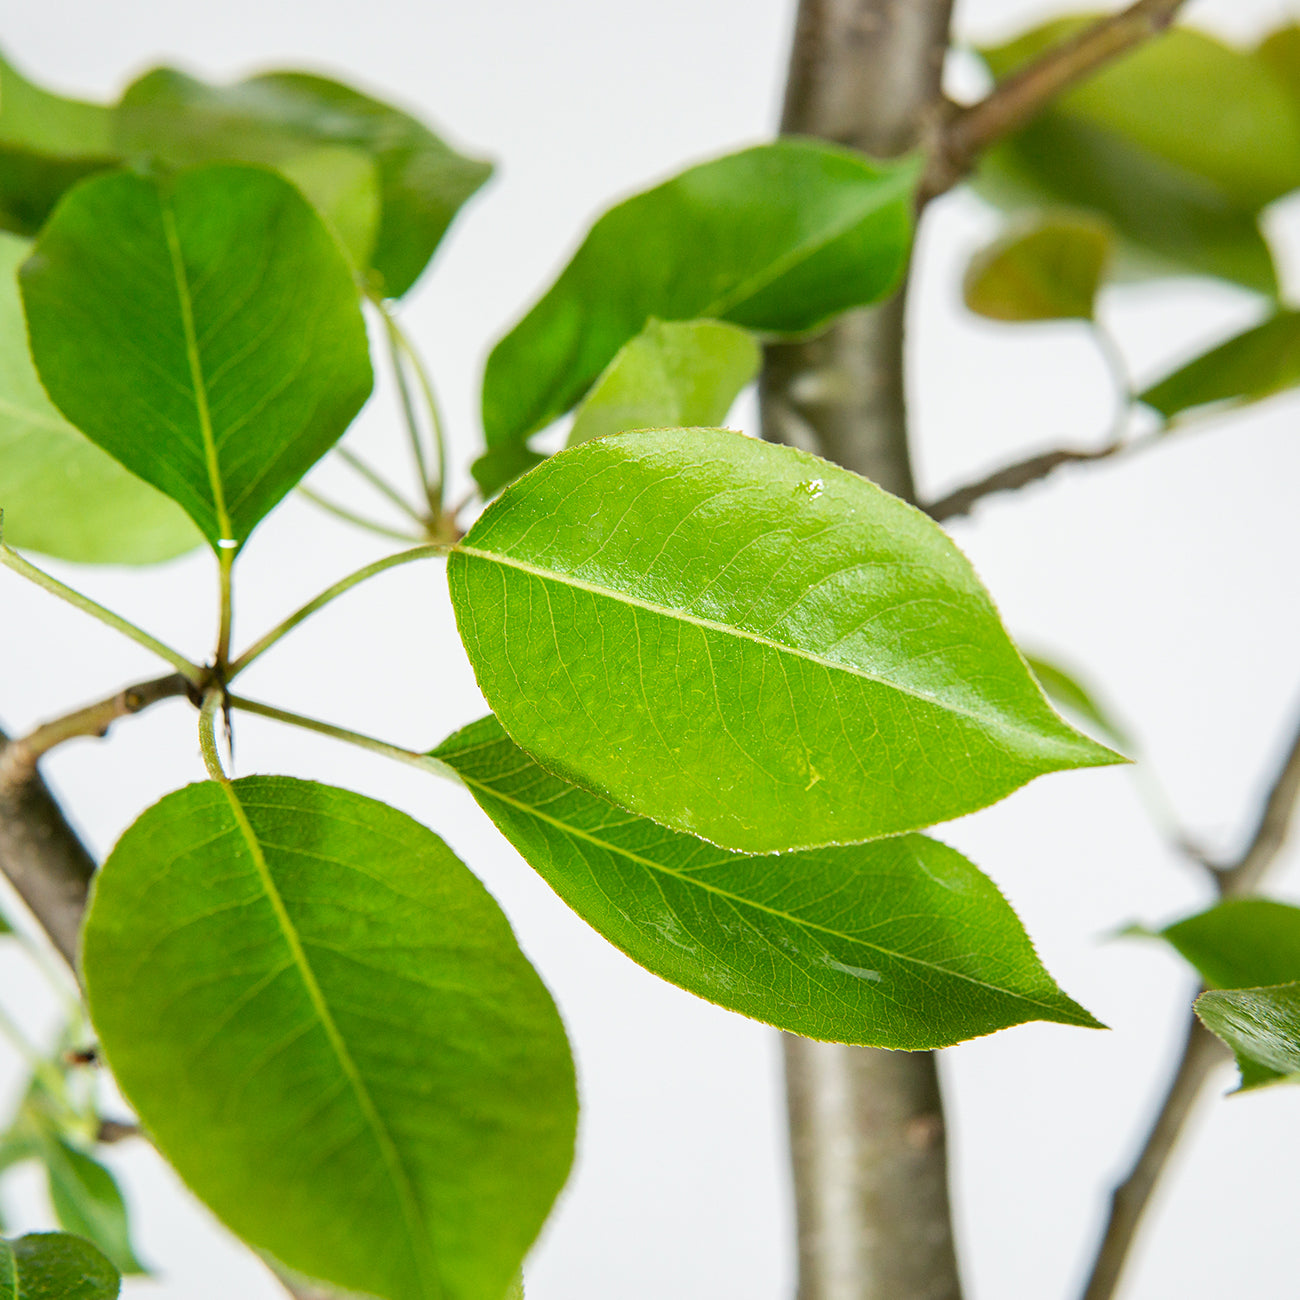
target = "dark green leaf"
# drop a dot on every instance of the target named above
(1254, 365)
(1050, 271)
(1179, 143)
(277, 117)
(343, 186)
(1068, 693)
(325, 1024)
(87, 1201)
(1279, 51)
(55, 1266)
(60, 493)
(672, 375)
(747, 643)
(1241, 943)
(47, 144)
(1262, 1026)
(898, 943)
(204, 329)
(779, 239)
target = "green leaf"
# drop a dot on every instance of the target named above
(87, 1201)
(60, 493)
(204, 329)
(1254, 365)
(55, 1266)
(1180, 144)
(1262, 1026)
(899, 943)
(747, 643)
(1048, 271)
(1279, 51)
(671, 375)
(779, 239)
(277, 117)
(325, 1024)
(343, 186)
(1241, 943)
(1068, 693)
(47, 144)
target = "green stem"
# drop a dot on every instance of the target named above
(12, 560)
(423, 761)
(226, 566)
(212, 702)
(330, 593)
(380, 484)
(341, 512)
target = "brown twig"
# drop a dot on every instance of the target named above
(40, 853)
(1012, 477)
(967, 132)
(1201, 1051)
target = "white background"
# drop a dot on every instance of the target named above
(1168, 578)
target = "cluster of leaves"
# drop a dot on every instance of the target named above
(730, 682)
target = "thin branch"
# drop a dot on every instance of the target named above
(1012, 477)
(351, 517)
(1202, 1051)
(330, 593)
(19, 758)
(380, 484)
(12, 560)
(1021, 97)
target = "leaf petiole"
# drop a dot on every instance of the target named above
(381, 485)
(192, 672)
(330, 593)
(351, 517)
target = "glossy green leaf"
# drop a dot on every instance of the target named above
(1241, 943)
(779, 239)
(1050, 271)
(898, 943)
(672, 375)
(204, 329)
(55, 1266)
(1179, 144)
(47, 144)
(88, 1202)
(747, 643)
(60, 493)
(325, 1024)
(1262, 1026)
(1254, 365)
(1066, 691)
(278, 116)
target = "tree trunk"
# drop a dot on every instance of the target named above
(866, 1126)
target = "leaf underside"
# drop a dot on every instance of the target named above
(1262, 1026)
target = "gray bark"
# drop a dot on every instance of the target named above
(866, 1126)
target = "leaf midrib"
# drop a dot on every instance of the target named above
(197, 381)
(991, 722)
(566, 828)
(417, 1230)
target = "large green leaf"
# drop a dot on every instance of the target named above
(778, 239)
(1048, 271)
(671, 375)
(47, 144)
(60, 493)
(325, 1024)
(747, 643)
(1254, 365)
(277, 117)
(204, 329)
(899, 943)
(1279, 51)
(88, 1202)
(1241, 943)
(55, 1266)
(1180, 144)
(1262, 1026)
